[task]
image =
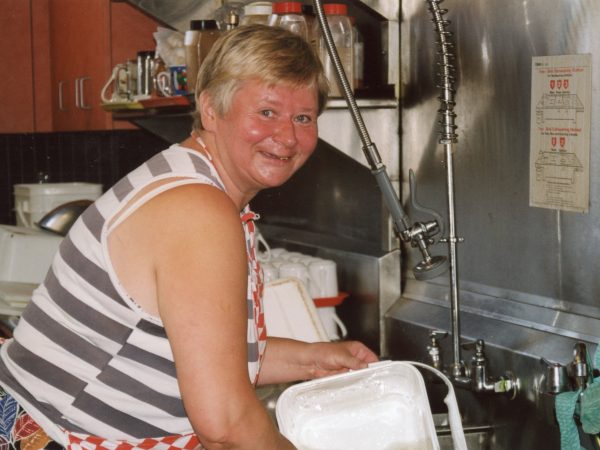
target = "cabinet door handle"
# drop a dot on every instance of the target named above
(82, 104)
(77, 102)
(61, 105)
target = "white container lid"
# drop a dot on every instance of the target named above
(382, 407)
(258, 9)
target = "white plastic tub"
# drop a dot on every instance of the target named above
(33, 201)
(383, 407)
(26, 254)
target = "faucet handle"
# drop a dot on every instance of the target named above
(555, 377)
(477, 345)
(437, 334)
(580, 369)
(434, 348)
(438, 220)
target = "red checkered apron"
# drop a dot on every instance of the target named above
(79, 441)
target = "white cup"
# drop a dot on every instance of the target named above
(277, 252)
(306, 260)
(163, 81)
(277, 263)
(297, 270)
(291, 256)
(323, 274)
(270, 272)
(117, 88)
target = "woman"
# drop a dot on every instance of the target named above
(149, 326)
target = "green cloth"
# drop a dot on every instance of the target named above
(565, 409)
(589, 409)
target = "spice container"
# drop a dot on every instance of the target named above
(343, 38)
(288, 15)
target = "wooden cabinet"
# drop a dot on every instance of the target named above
(63, 53)
(80, 55)
(16, 93)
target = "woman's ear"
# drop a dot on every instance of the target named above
(207, 112)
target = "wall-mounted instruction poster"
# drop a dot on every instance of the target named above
(559, 154)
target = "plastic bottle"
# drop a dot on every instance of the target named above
(312, 26)
(359, 56)
(288, 15)
(343, 38)
(208, 34)
(190, 42)
(256, 12)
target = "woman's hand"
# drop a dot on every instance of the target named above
(330, 358)
(287, 360)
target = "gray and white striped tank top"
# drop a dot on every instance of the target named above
(85, 357)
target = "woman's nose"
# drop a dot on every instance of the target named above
(286, 133)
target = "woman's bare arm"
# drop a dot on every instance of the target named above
(200, 271)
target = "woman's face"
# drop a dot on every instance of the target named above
(267, 134)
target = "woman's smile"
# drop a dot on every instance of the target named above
(273, 156)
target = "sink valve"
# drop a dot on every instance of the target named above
(481, 382)
(433, 350)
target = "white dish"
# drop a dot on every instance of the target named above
(290, 312)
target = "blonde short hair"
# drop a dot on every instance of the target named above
(270, 54)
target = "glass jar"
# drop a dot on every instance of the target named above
(288, 15)
(207, 33)
(190, 43)
(359, 56)
(256, 13)
(343, 38)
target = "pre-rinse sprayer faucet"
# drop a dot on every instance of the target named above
(476, 376)
(418, 235)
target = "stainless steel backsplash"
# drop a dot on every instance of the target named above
(511, 250)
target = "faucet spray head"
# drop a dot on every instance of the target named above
(431, 267)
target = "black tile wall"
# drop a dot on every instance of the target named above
(94, 157)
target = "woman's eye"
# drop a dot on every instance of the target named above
(303, 118)
(267, 113)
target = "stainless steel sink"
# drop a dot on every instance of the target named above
(478, 437)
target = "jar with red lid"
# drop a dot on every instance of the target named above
(343, 38)
(289, 15)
